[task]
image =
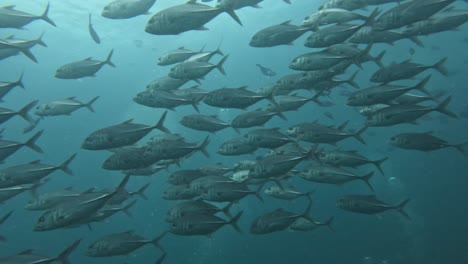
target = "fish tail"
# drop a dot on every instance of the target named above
(218, 50)
(416, 41)
(23, 112)
(89, 20)
(358, 134)
(442, 108)
(351, 81)
(259, 192)
(463, 148)
(378, 59)
(160, 124)
(195, 101)
(156, 240)
(5, 217)
(421, 86)
(108, 60)
(328, 223)
(89, 105)
(342, 126)
(39, 40)
(234, 221)
(31, 143)
(401, 208)
(45, 16)
(64, 167)
(121, 185)
(126, 209)
(440, 67)
(161, 258)
(378, 164)
(371, 19)
(203, 146)
(234, 16)
(227, 208)
(219, 66)
(63, 257)
(19, 82)
(141, 191)
(366, 178)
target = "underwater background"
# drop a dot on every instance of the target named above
(436, 182)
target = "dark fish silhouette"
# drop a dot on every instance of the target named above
(92, 32)
(266, 71)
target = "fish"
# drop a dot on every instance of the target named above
(205, 56)
(124, 9)
(12, 18)
(286, 193)
(228, 192)
(68, 214)
(237, 98)
(120, 244)
(177, 56)
(331, 16)
(129, 158)
(398, 114)
(384, 94)
(202, 224)
(31, 126)
(123, 134)
(235, 147)
(266, 71)
(12, 46)
(63, 107)
(369, 204)
(337, 34)
(306, 225)
(351, 159)
(10, 192)
(330, 135)
(93, 32)
(425, 142)
(31, 172)
(194, 70)
(255, 118)
(405, 70)
(332, 175)
(6, 87)
(276, 165)
(28, 256)
(176, 149)
(198, 186)
(166, 100)
(185, 176)
(215, 169)
(147, 171)
(291, 102)
(237, 4)
(198, 206)
(8, 148)
(277, 220)
(367, 35)
(178, 192)
(181, 18)
(166, 83)
(276, 35)
(6, 114)
(437, 24)
(204, 123)
(49, 200)
(84, 68)
(266, 138)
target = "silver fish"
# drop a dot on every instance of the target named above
(123, 9)
(84, 68)
(63, 107)
(7, 148)
(369, 204)
(12, 18)
(93, 32)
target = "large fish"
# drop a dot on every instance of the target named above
(176, 56)
(436, 24)
(203, 123)
(181, 18)
(194, 70)
(348, 159)
(281, 34)
(406, 70)
(425, 142)
(266, 138)
(123, 9)
(166, 100)
(194, 207)
(166, 83)
(11, 47)
(332, 175)
(63, 107)
(235, 147)
(238, 98)
(12, 18)
(123, 134)
(202, 224)
(369, 204)
(331, 16)
(85, 68)
(10, 192)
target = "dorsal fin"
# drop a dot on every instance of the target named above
(26, 252)
(128, 121)
(11, 7)
(10, 37)
(191, 2)
(71, 98)
(242, 88)
(89, 58)
(286, 23)
(182, 47)
(35, 162)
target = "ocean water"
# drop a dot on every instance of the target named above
(436, 182)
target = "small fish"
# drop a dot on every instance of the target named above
(92, 32)
(266, 71)
(369, 204)
(28, 256)
(425, 142)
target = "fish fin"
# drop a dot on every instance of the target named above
(141, 191)
(306, 212)
(378, 164)
(371, 19)
(342, 126)
(31, 143)
(358, 134)
(35, 162)
(9, 7)
(45, 17)
(286, 23)
(234, 220)
(219, 66)
(126, 208)
(351, 81)
(203, 146)
(226, 209)
(202, 28)
(463, 148)
(89, 58)
(421, 85)
(5, 217)
(234, 16)
(161, 258)
(287, 1)
(366, 178)
(442, 108)
(401, 208)
(23, 112)
(259, 192)
(108, 60)
(19, 82)
(64, 167)
(416, 41)
(25, 252)
(89, 105)
(63, 257)
(378, 59)
(160, 125)
(156, 240)
(439, 66)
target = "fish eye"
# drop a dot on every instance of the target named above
(306, 18)
(41, 220)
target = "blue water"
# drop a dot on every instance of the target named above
(436, 182)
